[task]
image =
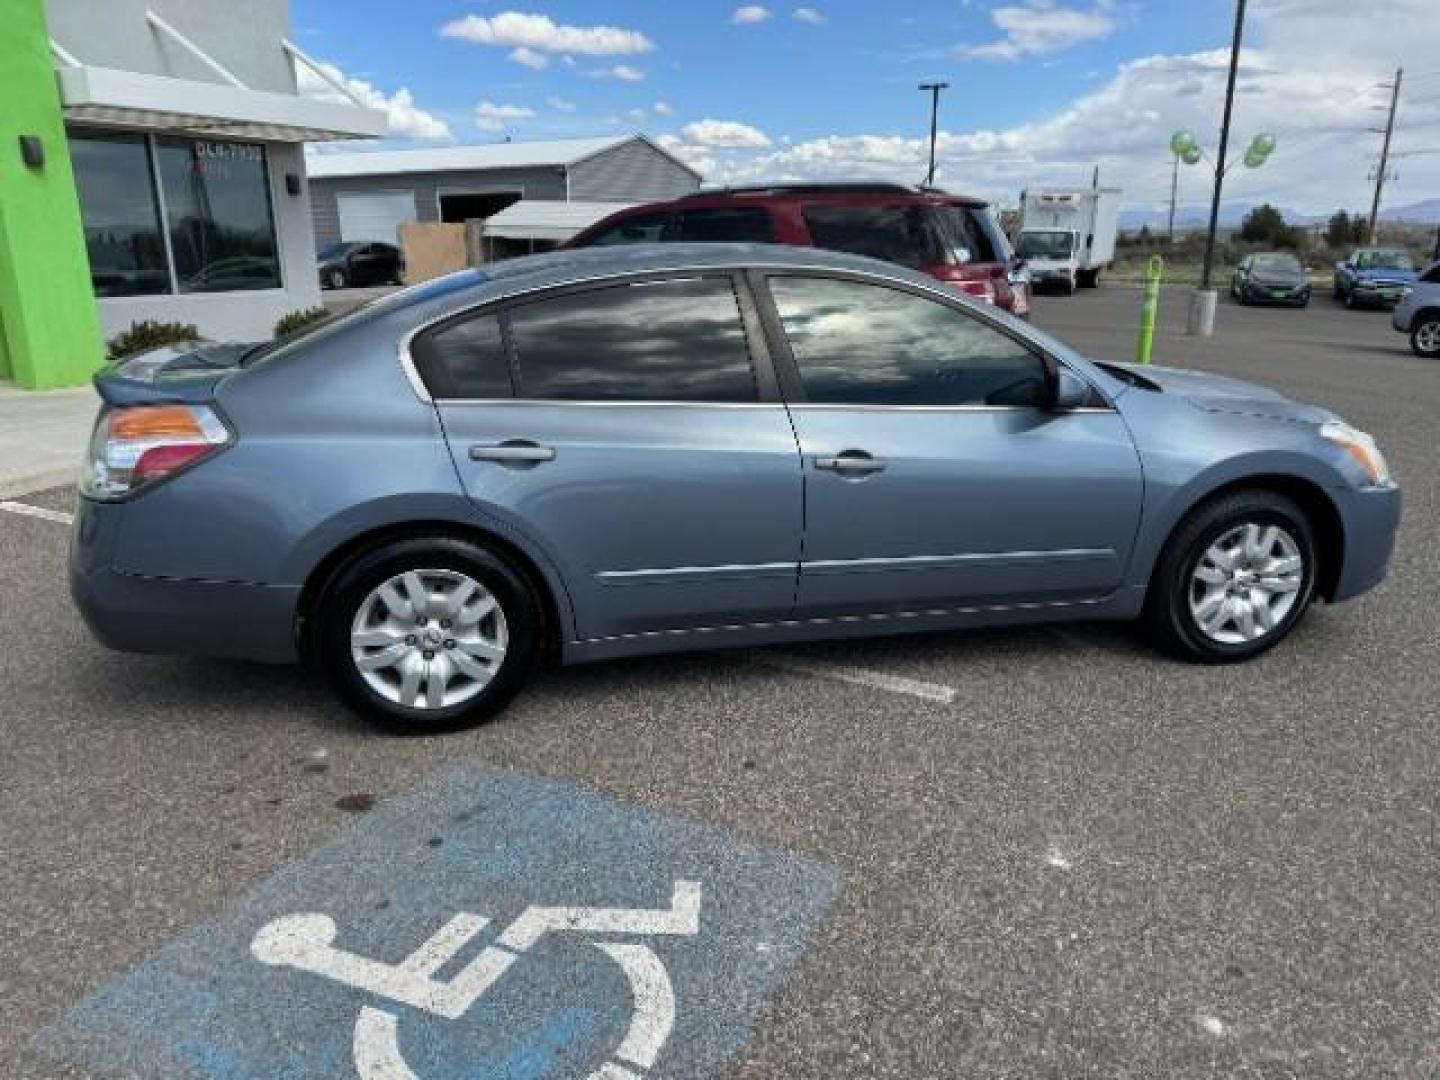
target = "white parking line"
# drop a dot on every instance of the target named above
(875, 680)
(36, 512)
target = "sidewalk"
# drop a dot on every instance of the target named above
(42, 436)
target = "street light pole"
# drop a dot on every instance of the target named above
(934, 88)
(1174, 190)
(1224, 143)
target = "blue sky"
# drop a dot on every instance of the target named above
(1041, 89)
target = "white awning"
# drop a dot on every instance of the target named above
(106, 96)
(538, 219)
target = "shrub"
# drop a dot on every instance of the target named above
(149, 335)
(298, 320)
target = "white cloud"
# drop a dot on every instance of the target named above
(726, 134)
(637, 114)
(560, 104)
(492, 117)
(1311, 81)
(808, 15)
(404, 119)
(750, 14)
(1040, 27)
(543, 34)
(623, 72)
(664, 108)
(538, 61)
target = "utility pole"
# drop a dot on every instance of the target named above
(934, 88)
(1174, 190)
(1385, 153)
(1224, 143)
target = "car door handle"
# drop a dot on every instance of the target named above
(513, 452)
(851, 461)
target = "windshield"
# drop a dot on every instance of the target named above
(1389, 258)
(1047, 244)
(1283, 264)
(330, 251)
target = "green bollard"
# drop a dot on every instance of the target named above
(1154, 269)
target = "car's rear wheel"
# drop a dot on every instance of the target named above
(429, 634)
(1425, 336)
(1234, 579)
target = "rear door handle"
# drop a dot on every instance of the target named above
(850, 461)
(513, 452)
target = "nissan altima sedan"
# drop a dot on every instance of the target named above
(611, 452)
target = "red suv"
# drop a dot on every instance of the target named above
(951, 237)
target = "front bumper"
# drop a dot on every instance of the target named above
(1277, 294)
(1366, 292)
(132, 613)
(1370, 518)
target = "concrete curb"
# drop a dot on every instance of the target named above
(10, 487)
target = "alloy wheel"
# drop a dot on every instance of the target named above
(1427, 338)
(429, 639)
(1246, 583)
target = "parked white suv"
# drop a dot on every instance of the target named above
(1418, 314)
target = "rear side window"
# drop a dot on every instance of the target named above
(908, 235)
(1432, 276)
(653, 341)
(640, 229)
(743, 225)
(463, 359)
(972, 229)
(861, 344)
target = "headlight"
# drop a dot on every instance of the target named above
(1361, 447)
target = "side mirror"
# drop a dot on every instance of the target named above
(1071, 391)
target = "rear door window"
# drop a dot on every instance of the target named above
(747, 225)
(680, 340)
(640, 229)
(908, 235)
(463, 358)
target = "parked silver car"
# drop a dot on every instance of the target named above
(627, 450)
(1418, 314)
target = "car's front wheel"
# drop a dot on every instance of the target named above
(429, 634)
(1234, 579)
(1425, 336)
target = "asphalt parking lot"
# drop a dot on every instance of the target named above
(1029, 853)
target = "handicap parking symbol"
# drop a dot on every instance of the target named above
(485, 924)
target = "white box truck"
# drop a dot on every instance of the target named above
(1067, 236)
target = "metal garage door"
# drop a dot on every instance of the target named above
(374, 215)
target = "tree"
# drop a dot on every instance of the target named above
(1266, 225)
(1145, 238)
(1359, 227)
(1339, 231)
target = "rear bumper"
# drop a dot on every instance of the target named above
(163, 615)
(1371, 519)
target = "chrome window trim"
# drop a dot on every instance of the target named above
(412, 374)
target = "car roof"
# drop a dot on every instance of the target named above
(570, 265)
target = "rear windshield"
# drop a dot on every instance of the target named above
(909, 235)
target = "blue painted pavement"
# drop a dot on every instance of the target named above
(494, 844)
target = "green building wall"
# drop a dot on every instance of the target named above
(49, 327)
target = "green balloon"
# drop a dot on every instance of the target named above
(1264, 142)
(1191, 156)
(1181, 143)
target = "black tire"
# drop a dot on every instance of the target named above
(522, 612)
(336, 279)
(1429, 324)
(1349, 300)
(1167, 604)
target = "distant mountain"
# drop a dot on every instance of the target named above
(1425, 212)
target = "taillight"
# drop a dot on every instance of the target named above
(135, 446)
(982, 290)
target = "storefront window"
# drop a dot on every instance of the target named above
(122, 221)
(217, 205)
